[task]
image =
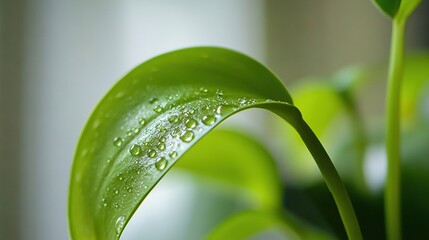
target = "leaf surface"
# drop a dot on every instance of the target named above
(149, 119)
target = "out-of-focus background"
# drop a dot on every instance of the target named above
(59, 57)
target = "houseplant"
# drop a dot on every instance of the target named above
(151, 117)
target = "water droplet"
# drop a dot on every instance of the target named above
(109, 160)
(204, 90)
(158, 109)
(135, 150)
(151, 153)
(173, 154)
(191, 123)
(187, 136)
(142, 121)
(116, 191)
(161, 163)
(162, 139)
(153, 100)
(209, 120)
(130, 133)
(224, 109)
(136, 130)
(118, 141)
(242, 100)
(104, 204)
(161, 146)
(161, 128)
(119, 225)
(173, 119)
(174, 133)
(219, 94)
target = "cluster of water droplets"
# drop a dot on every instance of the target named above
(160, 138)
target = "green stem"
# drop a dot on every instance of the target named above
(392, 191)
(327, 169)
(332, 179)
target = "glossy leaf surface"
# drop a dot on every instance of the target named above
(149, 119)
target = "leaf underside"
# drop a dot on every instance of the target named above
(149, 119)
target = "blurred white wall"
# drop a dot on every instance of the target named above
(74, 51)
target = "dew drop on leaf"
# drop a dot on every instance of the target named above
(173, 154)
(187, 136)
(161, 146)
(118, 141)
(135, 150)
(161, 163)
(209, 120)
(142, 121)
(173, 119)
(120, 222)
(151, 153)
(153, 100)
(157, 109)
(219, 94)
(191, 123)
(223, 109)
(204, 90)
(136, 130)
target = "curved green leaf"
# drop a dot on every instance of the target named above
(239, 163)
(246, 224)
(157, 112)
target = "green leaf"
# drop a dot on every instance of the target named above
(154, 115)
(148, 120)
(389, 7)
(240, 164)
(247, 224)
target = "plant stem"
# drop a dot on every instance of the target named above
(332, 179)
(392, 191)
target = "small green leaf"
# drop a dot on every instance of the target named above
(149, 119)
(239, 162)
(247, 224)
(389, 7)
